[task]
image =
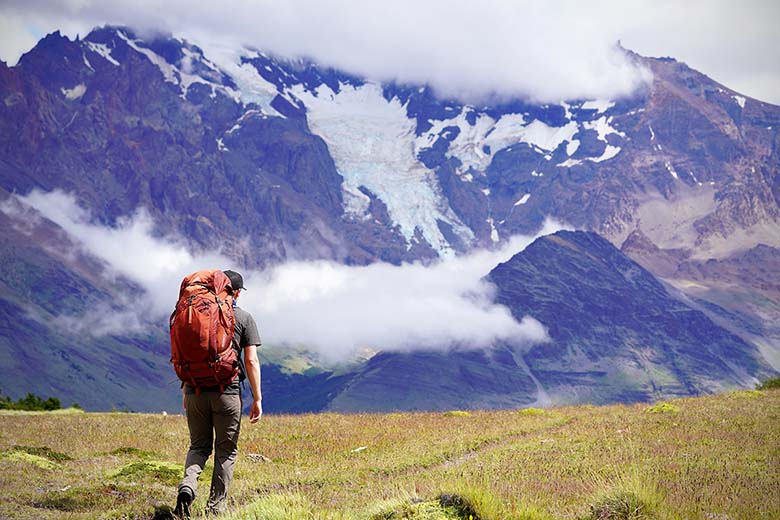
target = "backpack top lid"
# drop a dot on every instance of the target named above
(214, 279)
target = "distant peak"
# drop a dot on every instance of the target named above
(637, 240)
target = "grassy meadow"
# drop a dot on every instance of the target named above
(714, 458)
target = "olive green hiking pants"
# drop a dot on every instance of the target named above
(214, 419)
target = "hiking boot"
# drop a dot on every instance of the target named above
(183, 503)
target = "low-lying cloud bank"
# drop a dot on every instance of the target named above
(333, 308)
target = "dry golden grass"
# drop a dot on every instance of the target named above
(714, 457)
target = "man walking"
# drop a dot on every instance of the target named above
(214, 415)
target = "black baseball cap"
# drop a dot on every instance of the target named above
(236, 280)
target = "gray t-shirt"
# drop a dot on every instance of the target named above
(245, 333)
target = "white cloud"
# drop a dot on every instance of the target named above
(15, 38)
(468, 49)
(381, 306)
(130, 249)
(333, 308)
(548, 50)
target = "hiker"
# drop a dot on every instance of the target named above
(214, 412)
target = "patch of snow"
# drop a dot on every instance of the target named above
(569, 163)
(523, 199)
(659, 147)
(252, 87)
(693, 176)
(536, 174)
(86, 62)
(173, 75)
(603, 128)
(372, 141)
(493, 231)
(548, 137)
(566, 109)
(600, 105)
(470, 146)
(609, 152)
(246, 115)
(467, 177)
(740, 100)
(166, 68)
(221, 146)
(652, 134)
(486, 191)
(572, 146)
(72, 94)
(671, 170)
(103, 50)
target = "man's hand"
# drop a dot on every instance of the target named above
(255, 411)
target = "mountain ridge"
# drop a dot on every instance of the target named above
(282, 160)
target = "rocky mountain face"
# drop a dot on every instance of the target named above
(615, 329)
(54, 304)
(740, 292)
(616, 335)
(275, 159)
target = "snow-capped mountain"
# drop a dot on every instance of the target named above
(279, 159)
(436, 175)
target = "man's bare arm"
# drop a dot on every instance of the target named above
(252, 364)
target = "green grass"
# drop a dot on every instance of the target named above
(144, 471)
(62, 411)
(703, 458)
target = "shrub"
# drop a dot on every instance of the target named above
(621, 505)
(457, 413)
(415, 509)
(85, 498)
(769, 384)
(30, 402)
(629, 495)
(748, 394)
(35, 460)
(531, 411)
(164, 472)
(464, 507)
(44, 451)
(662, 408)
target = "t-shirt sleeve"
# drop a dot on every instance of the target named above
(250, 335)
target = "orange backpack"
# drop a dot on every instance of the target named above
(202, 325)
